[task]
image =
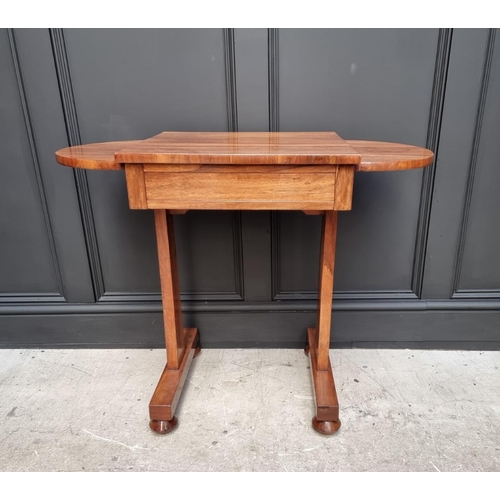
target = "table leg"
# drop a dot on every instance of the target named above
(326, 420)
(182, 343)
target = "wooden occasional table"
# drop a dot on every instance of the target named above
(174, 172)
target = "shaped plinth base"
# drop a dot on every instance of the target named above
(169, 388)
(326, 420)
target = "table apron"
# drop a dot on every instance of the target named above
(240, 187)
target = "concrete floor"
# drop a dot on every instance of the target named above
(250, 410)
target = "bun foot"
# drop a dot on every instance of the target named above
(197, 351)
(306, 350)
(163, 426)
(326, 428)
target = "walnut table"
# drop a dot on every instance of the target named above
(174, 172)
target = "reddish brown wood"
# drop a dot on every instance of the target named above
(170, 293)
(172, 205)
(325, 292)
(163, 426)
(240, 190)
(170, 168)
(325, 395)
(278, 148)
(98, 156)
(136, 186)
(257, 148)
(344, 183)
(326, 428)
(177, 171)
(313, 212)
(169, 388)
(380, 156)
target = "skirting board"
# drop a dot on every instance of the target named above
(428, 329)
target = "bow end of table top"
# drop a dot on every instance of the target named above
(248, 148)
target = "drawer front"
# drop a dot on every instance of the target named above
(186, 187)
(239, 191)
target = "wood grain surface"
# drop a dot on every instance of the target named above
(344, 184)
(325, 394)
(136, 187)
(313, 148)
(169, 388)
(242, 148)
(170, 289)
(98, 156)
(240, 191)
(383, 156)
(325, 292)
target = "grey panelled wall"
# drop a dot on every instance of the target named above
(375, 85)
(417, 262)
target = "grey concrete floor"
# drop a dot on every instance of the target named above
(250, 410)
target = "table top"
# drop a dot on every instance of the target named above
(242, 148)
(247, 148)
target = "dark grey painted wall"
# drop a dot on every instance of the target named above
(417, 260)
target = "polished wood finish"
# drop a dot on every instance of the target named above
(242, 148)
(163, 426)
(325, 428)
(368, 156)
(174, 172)
(136, 186)
(166, 396)
(325, 293)
(227, 187)
(325, 395)
(382, 156)
(344, 184)
(170, 291)
(241, 190)
(98, 156)
(240, 169)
